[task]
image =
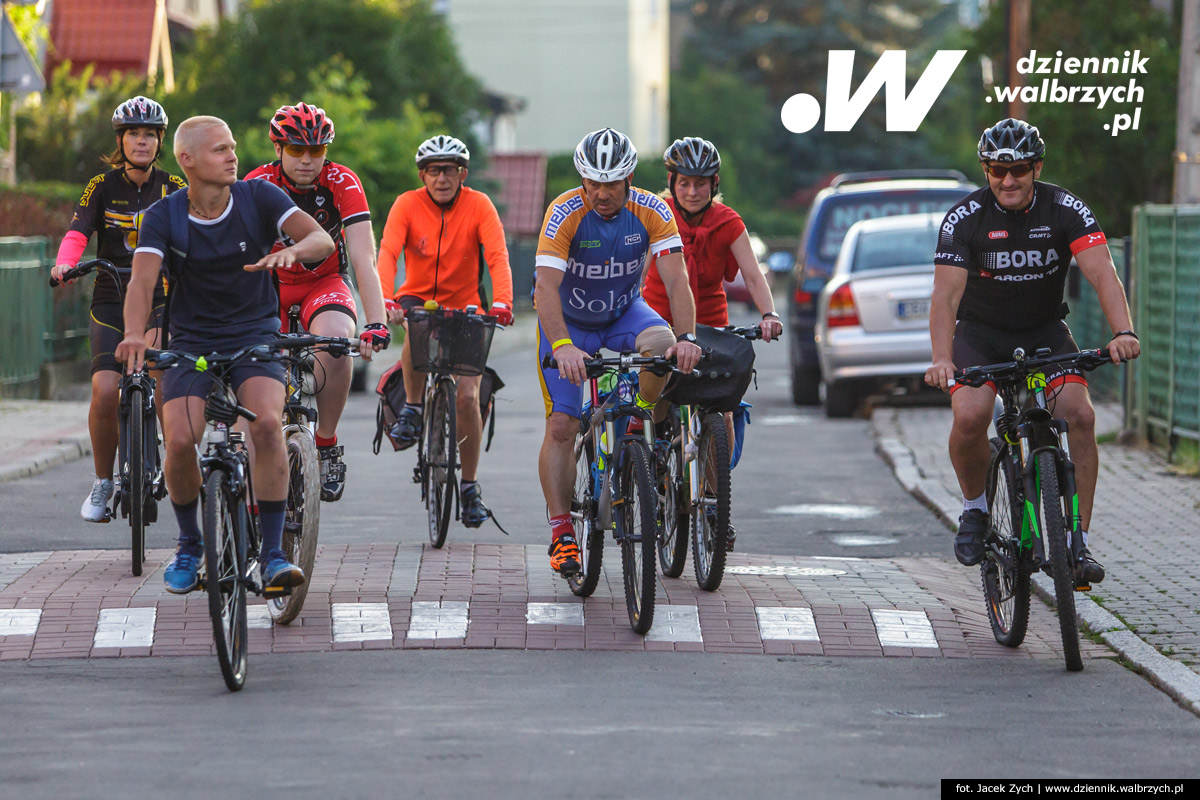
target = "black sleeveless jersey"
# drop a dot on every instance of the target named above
(111, 207)
(1016, 261)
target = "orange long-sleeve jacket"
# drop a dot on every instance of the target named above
(445, 249)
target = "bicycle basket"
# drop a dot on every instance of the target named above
(449, 341)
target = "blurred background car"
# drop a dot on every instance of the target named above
(873, 315)
(851, 197)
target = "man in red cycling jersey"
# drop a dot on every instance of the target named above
(333, 195)
(440, 231)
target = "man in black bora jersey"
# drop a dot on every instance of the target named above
(1001, 271)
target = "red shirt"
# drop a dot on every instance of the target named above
(710, 262)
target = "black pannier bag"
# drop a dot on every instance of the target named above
(392, 398)
(725, 376)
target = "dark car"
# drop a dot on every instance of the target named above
(850, 198)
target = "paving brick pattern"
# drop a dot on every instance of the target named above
(504, 596)
(1143, 527)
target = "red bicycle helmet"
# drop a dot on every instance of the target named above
(301, 124)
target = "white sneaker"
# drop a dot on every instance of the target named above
(95, 507)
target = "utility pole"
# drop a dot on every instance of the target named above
(1019, 16)
(1187, 119)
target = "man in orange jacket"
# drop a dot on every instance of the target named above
(440, 231)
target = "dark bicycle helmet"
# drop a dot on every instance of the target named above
(443, 148)
(605, 155)
(301, 124)
(1011, 140)
(693, 156)
(139, 112)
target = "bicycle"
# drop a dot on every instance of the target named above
(614, 484)
(230, 524)
(695, 466)
(444, 343)
(1035, 523)
(138, 484)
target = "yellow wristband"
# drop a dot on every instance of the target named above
(560, 343)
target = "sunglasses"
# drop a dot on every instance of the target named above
(298, 150)
(1017, 170)
(437, 170)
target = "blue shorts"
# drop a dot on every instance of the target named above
(184, 381)
(558, 393)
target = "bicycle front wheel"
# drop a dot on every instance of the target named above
(1055, 530)
(710, 507)
(673, 511)
(583, 518)
(302, 516)
(637, 531)
(441, 456)
(134, 474)
(225, 569)
(1006, 569)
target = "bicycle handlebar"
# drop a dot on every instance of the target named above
(751, 332)
(1020, 366)
(597, 366)
(85, 267)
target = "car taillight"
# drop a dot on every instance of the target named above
(841, 308)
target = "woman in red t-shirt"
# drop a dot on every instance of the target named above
(716, 244)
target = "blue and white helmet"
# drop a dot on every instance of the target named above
(606, 155)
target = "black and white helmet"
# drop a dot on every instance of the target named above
(1011, 140)
(443, 148)
(692, 155)
(606, 155)
(139, 112)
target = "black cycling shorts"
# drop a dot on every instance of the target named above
(106, 329)
(976, 344)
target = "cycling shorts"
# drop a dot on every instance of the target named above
(106, 329)
(330, 293)
(558, 393)
(184, 381)
(976, 344)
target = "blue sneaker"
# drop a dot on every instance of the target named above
(278, 572)
(182, 573)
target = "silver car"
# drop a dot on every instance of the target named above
(873, 315)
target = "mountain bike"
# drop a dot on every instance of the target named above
(614, 483)
(444, 343)
(231, 530)
(1034, 520)
(138, 481)
(695, 465)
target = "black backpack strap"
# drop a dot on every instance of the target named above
(176, 255)
(379, 423)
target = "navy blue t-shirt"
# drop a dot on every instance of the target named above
(215, 302)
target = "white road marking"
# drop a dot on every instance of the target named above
(554, 614)
(861, 540)
(125, 627)
(795, 624)
(675, 624)
(19, 621)
(361, 622)
(833, 510)
(258, 617)
(783, 419)
(812, 572)
(903, 628)
(442, 619)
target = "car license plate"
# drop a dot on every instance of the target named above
(912, 309)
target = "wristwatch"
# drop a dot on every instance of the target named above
(686, 337)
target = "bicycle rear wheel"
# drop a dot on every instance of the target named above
(583, 517)
(1006, 569)
(302, 517)
(673, 510)
(637, 532)
(710, 509)
(441, 456)
(133, 471)
(1055, 530)
(225, 568)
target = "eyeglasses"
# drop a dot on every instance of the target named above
(298, 150)
(437, 170)
(1016, 170)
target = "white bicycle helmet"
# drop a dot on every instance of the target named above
(605, 155)
(443, 148)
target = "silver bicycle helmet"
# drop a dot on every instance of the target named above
(692, 155)
(443, 148)
(138, 112)
(605, 155)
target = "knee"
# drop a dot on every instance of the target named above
(655, 341)
(1082, 418)
(266, 432)
(561, 428)
(970, 423)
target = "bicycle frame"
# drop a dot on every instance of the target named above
(606, 480)
(145, 385)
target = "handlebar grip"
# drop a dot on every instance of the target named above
(69, 275)
(548, 362)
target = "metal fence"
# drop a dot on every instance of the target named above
(1090, 327)
(1164, 402)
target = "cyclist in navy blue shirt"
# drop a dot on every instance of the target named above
(222, 299)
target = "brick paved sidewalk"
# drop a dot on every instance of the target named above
(1143, 528)
(36, 435)
(86, 604)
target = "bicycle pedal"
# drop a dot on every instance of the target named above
(272, 592)
(1083, 587)
(416, 475)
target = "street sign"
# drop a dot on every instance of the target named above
(18, 72)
